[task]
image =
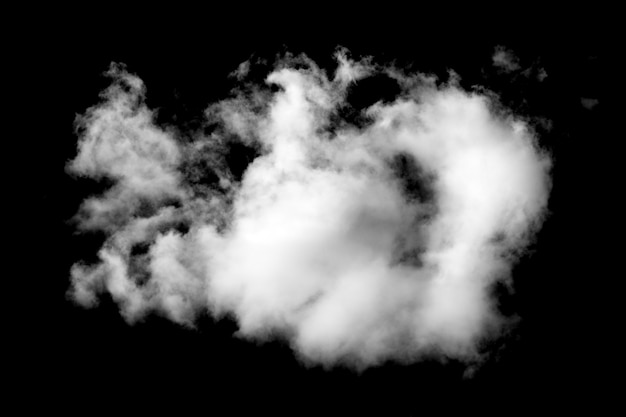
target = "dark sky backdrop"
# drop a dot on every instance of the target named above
(88, 359)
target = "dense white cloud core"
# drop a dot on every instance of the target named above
(354, 243)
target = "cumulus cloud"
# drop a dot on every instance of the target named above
(356, 244)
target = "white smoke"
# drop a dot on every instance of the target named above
(357, 244)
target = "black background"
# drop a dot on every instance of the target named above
(89, 360)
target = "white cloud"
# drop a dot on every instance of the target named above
(321, 241)
(542, 74)
(118, 140)
(505, 59)
(349, 71)
(589, 103)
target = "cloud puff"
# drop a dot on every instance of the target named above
(505, 59)
(589, 103)
(508, 63)
(356, 244)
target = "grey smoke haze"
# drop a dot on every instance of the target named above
(357, 244)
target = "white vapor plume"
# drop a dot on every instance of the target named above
(356, 243)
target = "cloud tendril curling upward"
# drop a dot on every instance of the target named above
(358, 243)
